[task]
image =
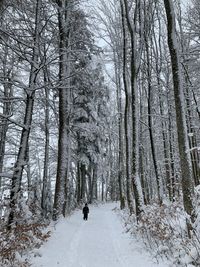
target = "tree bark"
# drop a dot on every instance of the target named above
(78, 185)
(4, 122)
(63, 142)
(135, 142)
(150, 125)
(126, 114)
(21, 157)
(120, 134)
(46, 185)
(187, 184)
(83, 181)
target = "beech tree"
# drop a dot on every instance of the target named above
(111, 20)
(189, 32)
(134, 64)
(30, 94)
(64, 16)
(187, 183)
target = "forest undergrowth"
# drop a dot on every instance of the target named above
(163, 230)
(18, 242)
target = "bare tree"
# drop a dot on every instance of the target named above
(30, 94)
(187, 183)
(64, 13)
(134, 105)
(46, 185)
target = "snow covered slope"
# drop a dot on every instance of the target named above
(98, 242)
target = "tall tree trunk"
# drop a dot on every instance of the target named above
(28, 173)
(142, 165)
(192, 139)
(135, 142)
(63, 142)
(166, 153)
(158, 54)
(7, 110)
(21, 157)
(102, 188)
(4, 122)
(188, 95)
(78, 185)
(150, 125)
(171, 150)
(7, 102)
(126, 114)
(120, 133)
(89, 174)
(143, 183)
(83, 181)
(94, 184)
(187, 183)
(46, 184)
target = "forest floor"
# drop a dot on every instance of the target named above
(99, 242)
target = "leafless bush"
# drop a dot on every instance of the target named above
(163, 230)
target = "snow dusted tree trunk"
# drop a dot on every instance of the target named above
(158, 54)
(134, 104)
(92, 182)
(46, 184)
(141, 146)
(118, 82)
(126, 114)
(63, 142)
(166, 149)
(120, 131)
(187, 183)
(89, 174)
(3, 121)
(189, 99)
(28, 173)
(193, 142)
(150, 122)
(7, 105)
(21, 157)
(192, 137)
(111, 11)
(83, 181)
(94, 195)
(120, 156)
(171, 150)
(78, 184)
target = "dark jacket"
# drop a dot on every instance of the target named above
(85, 210)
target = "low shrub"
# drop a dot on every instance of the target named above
(17, 243)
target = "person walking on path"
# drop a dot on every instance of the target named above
(85, 212)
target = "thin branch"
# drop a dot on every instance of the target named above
(12, 121)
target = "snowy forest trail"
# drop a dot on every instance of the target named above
(98, 242)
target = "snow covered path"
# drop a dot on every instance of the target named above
(98, 242)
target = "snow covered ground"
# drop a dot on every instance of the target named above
(98, 242)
